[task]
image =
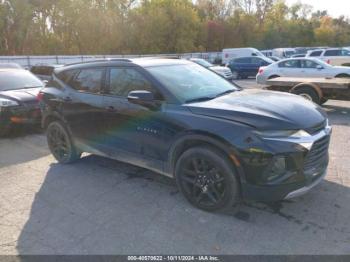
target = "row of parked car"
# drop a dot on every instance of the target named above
(219, 142)
(249, 62)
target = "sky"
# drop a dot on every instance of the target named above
(334, 7)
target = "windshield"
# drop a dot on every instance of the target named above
(202, 62)
(191, 82)
(18, 79)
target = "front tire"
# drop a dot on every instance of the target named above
(207, 179)
(60, 143)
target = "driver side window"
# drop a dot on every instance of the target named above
(124, 80)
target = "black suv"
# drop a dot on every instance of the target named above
(184, 121)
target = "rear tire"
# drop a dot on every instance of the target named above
(60, 143)
(308, 93)
(207, 179)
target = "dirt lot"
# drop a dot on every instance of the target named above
(100, 206)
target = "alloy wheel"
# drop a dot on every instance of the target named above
(203, 181)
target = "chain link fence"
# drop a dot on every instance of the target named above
(28, 61)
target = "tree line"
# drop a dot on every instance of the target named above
(58, 27)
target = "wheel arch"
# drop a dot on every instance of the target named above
(343, 75)
(50, 118)
(273, 76)
(204, 139)
(313, 86)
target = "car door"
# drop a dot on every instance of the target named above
(311, 68)
(243, 66)
(132, 131)
(256, 63)
(82, 106)
(289, 68)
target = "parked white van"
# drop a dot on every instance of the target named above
(231, 53)
(283, 52)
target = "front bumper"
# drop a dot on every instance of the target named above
(305, 189)
(309, 169)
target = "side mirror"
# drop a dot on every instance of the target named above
(319, 67)
(143, 98)
(45, 82)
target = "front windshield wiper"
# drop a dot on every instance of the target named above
(225, 93)
(199, 99)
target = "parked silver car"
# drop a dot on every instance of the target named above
(221, 70)
(301, 67)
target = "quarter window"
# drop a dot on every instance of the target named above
(88, 80)
(124, 80)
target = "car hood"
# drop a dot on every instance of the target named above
(264, 110)
(21, 95)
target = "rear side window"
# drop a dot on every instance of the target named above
(88, 80)
(67, 75)
(124, 80)
(290, 64)
(316, 53)
(308, 64)
(332, 53)
(257, 60)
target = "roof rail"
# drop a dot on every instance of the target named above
(159, 57)
(101, 61)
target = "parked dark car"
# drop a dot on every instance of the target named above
(184, 121)
(44, 72)
(244, 67)
(18, 99)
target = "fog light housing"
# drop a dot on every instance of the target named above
(277, 169)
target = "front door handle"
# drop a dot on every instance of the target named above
(111, 109)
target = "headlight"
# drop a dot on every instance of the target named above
(6, 102)
(283, 134)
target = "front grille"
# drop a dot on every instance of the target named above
(317, 128)
(318, 155)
